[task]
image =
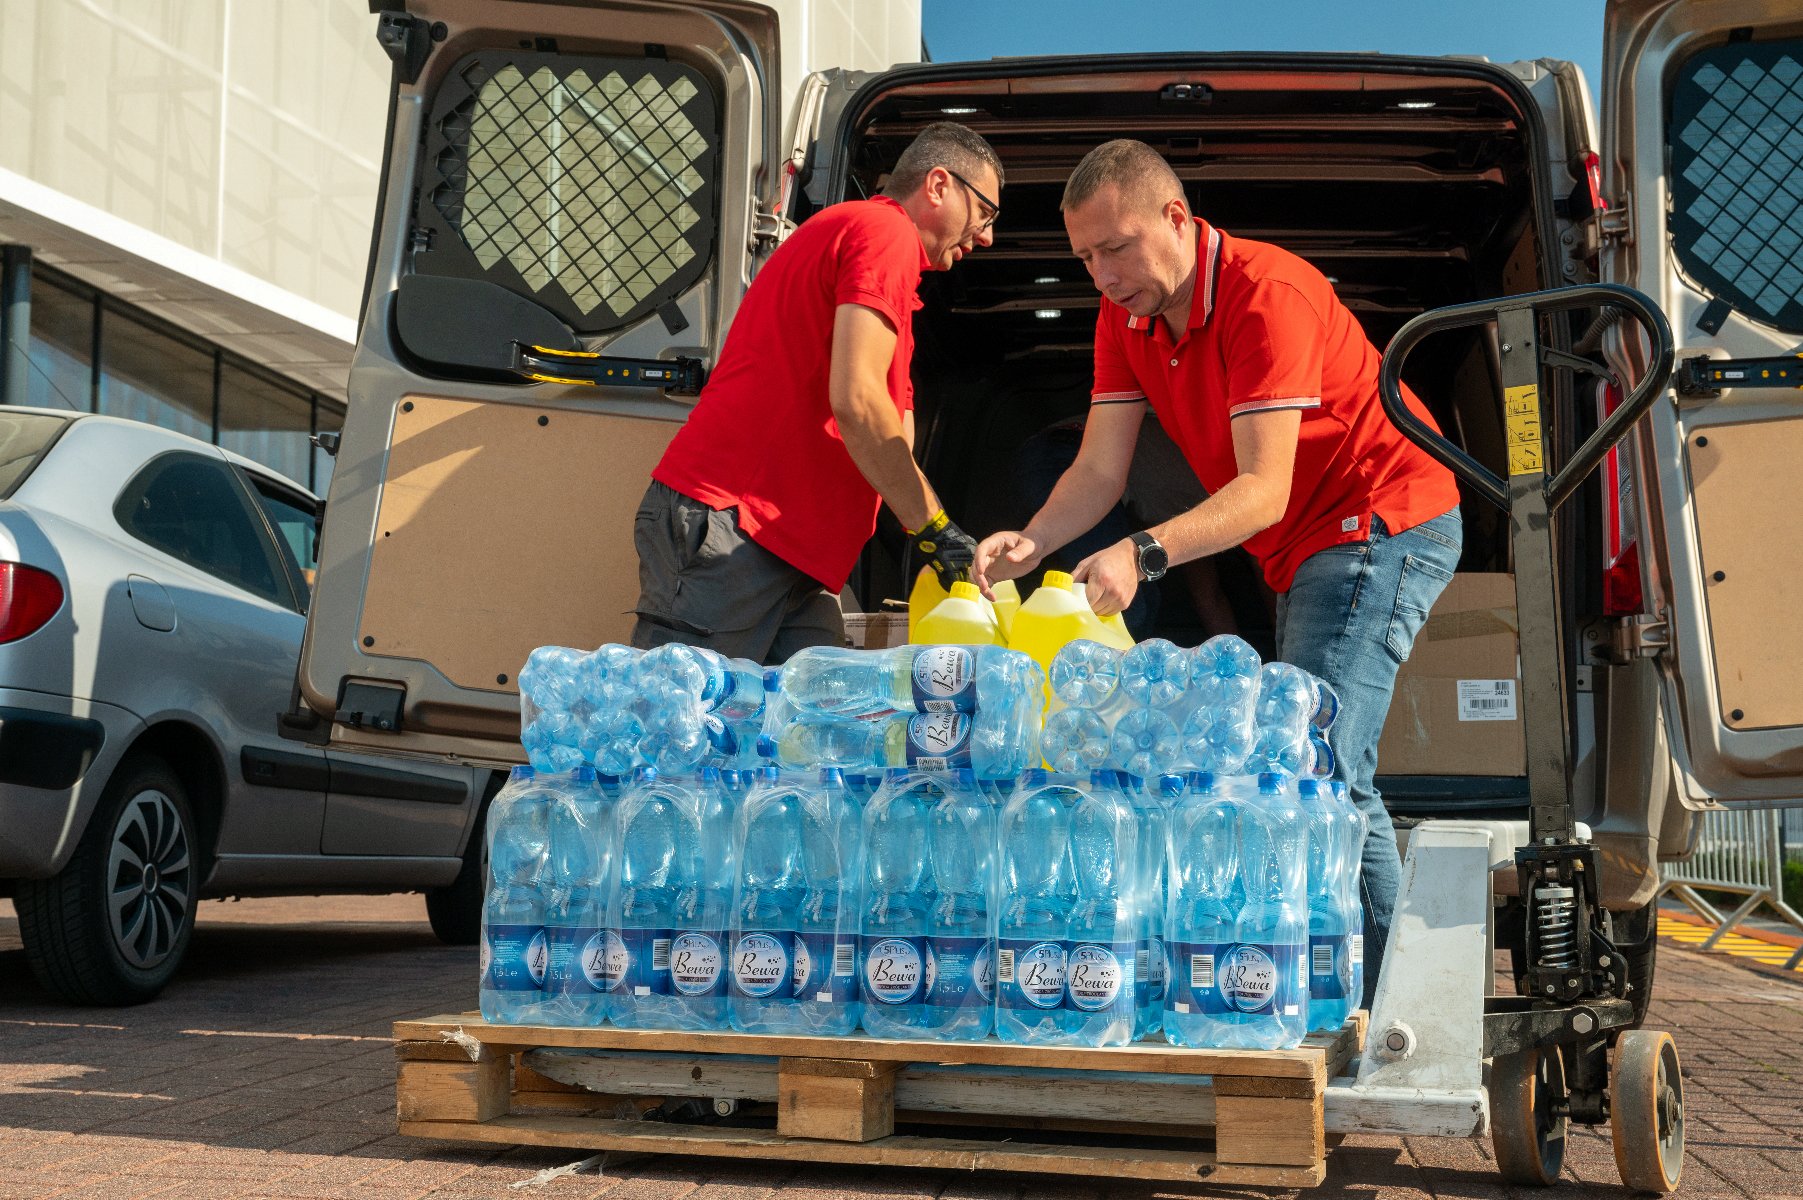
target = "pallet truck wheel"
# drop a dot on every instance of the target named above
(1527, 1126)
(1646, 1111)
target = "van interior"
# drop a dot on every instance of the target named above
(1410, 190)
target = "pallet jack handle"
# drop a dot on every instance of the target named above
(1559, 486)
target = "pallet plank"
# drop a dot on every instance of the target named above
(452, 1091)
(835, 1100)
(1268, 1130)
(1171, 1166)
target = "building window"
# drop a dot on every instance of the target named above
(61, 374)
(147, 375)
(272, 425)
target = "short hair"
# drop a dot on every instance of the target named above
(1140, 172)
(942, 144)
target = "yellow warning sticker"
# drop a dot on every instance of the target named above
(1521, 409)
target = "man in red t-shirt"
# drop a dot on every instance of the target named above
(1269, 387)
(759, 508)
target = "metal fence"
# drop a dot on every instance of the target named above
(1741, 852)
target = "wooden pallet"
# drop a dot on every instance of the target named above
(1147, 1111)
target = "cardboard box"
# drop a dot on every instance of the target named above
(876, 631)
(1457, 707)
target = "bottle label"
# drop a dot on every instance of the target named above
(1330, 966)
(1218, 978)
(514, 958)
(1100, 975)
(695, 963)
(826, 968)
(945, 680)
(1157, 970)
(647, 961)
(939, 741)
(569, 950)
(895, 969)
(613, 964)
(960, 972)
(1029, 974)
(761, 965)
(1358, 949)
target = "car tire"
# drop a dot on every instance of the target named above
(114, 924)
(455, 909)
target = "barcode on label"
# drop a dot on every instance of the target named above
(660, 954)
(1486, 699)
(1140, 960)
(1004, 965)
(845, 959)
(929, 763)
(1358, 949)
(1323, 956)
(1201, 971)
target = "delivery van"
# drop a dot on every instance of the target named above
(576, 195)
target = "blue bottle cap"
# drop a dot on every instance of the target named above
(965, 777)
(1270, 783)
(766, 746)
(1201, 783)
(1102, 777)
(894, 774)
(1308, 789)
(583, 774)
(770, 774)
(1034, 777)
(1170, 785)
(832, 777)
(521, 773)
(644, 774)
(710, 774)
(773, 679)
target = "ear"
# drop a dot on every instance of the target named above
(935, 185)
(1176, 211)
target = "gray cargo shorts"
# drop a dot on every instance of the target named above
(703, 582)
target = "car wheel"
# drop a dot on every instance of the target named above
(114, 924)
(455, 909)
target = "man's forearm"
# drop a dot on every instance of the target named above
(1247, 505)
(1081, 499)
(874, 436)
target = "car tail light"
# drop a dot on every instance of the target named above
(28, 599)
(1622, 595)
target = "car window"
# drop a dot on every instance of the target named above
(1737, 177)
(193, 508)
(24, 437)
(295, 520)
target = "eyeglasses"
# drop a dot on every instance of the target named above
(994, 209)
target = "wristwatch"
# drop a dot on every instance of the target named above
(1153, 561)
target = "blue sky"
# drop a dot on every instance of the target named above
(1519, 29)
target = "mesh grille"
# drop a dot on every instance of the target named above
(587, 185)
(1737, 177)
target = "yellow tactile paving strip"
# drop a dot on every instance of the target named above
(1770, 953)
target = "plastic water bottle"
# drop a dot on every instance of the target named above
(659, 824)
(1038, 896)
(1219, 739)
(960, 997)
(907, 679)
(608, 737)
(826, 942)
(1085, 674)
(1106, 925)
(1203, 910)
(1327, 705)
(1224, 672)
(1146, 741)
(551, 680)
(732, 689)
(996, 745)
(1352, 825)
(767, 896)
(1287, 702)
(1329, 940)
(1264, 977)
(580, 832)
(897, 897)
(1152, 812)
(1321, 760)
(1155, 673)
(1076, 740)
(515, 952)
(551, 741)
(702, 916)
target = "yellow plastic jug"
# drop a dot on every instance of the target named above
(1052, 617)
(926, 596)
(1114, 627)
(961, 619)
(1007, 603)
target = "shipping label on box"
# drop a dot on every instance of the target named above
(1457, 705)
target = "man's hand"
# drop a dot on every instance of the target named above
(1111, 576)
(1006, 555)
(946, 548)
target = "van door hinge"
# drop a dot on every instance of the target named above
(1616, 223)
(1640, 636)
(365, 705)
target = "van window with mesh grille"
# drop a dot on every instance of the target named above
(1736, 140)
(586, 184)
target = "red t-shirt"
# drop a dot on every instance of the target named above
(1267, 332)
(762, 437)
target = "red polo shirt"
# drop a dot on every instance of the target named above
(1267, 332)
(762, 438)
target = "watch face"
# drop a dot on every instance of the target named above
(1153, 560)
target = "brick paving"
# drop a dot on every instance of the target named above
(266, 1071)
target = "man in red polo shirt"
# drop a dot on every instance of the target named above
(1269, 387)
(759, 508)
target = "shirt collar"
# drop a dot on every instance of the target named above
(926, 264)
(1208, 270)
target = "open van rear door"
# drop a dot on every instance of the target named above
(574, 199)
(1703, 174)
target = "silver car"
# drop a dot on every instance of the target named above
(153, 594)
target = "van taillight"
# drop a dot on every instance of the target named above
(28, 599)
(1622, 595)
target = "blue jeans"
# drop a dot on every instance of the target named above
(1350, 617)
